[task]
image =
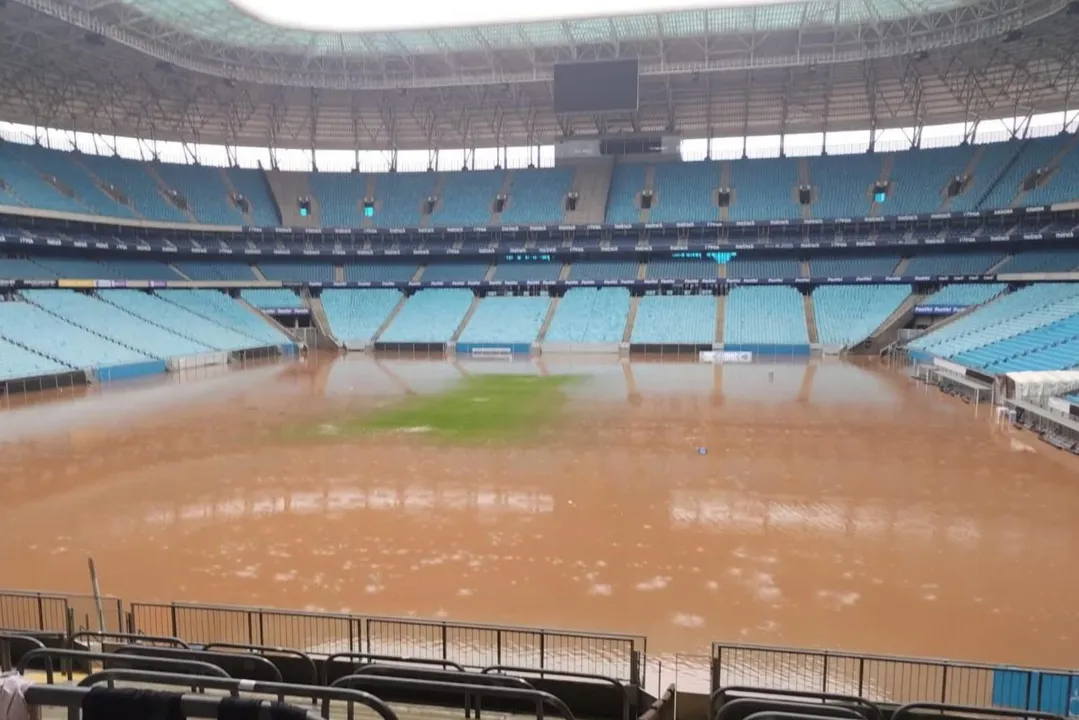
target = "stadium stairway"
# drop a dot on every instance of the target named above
(721, 318)
(504, 191)
(968, 171)
(292, 335)
(888, 331)
(811, 320)
(649, 184)
(468, 315)
(233, 192)
(632, 317)
(901, 268)
(320, 322)
(1054, 167)
(1002, 172)
(592, 183)
(287, 188)
(389, 318)
(551, 310)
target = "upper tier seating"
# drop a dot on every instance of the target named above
(399, 198)
(380, 272)
(205, 191)
(764, 189)
(506, 319)
(675, 319)
(20, 269)
(66, 168)
(1035, 154)
(524, 271)
(133, 179)
(450, 272)
(681, 269)
(210, 271)
(779, 267)
(765, 316)
(538, 196)
(685, 192)
(223, 310)
(178, 320)
(112, 323)
(48, 335)
(141, 269)
(297, 271)
(429, 316)
(843, 184)
(1041, 261)
(252, 185)
(272, 298)
(356, 315)
(995, 157)
(77, 268)
(848, 314)
(339, 197)
(18, 362)
(840, 265)
(590, 315)
(466, 198)
(604, 270)
(28, 186)
(627, 181)
(962, 295)
(1063, 186)
(967, 263)
(1009, 315)
(919, 177)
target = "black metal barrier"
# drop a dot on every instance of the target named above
(249, 666)
(620, 689)
(7, 640)
(330, 674)
(723, 695)
(266, 651)
(136, 638)
(781, 715)
(457, 676)
(192, 706)
(470, 692)
(937, 710)
(235, 685)
(84, 659)
(746, 708)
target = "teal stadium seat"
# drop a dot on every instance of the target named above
(846, 315)
(604, 270)
(524, 271)
(252, 184)
(297, 271)
(538, 196)
(339, 197)
(66, 168)
(627, 181)
(399, 198)
(133, 179)
(454, 272)
(843, 185)
(380, 272)
(590, 315)
(842, 265)
(112, 323)
(682, 269)
(685, 192)
(764, 189)
(205, 191)
(212, 271)
(356, 315)
(962, 295)
(179, 320)
(223, 310)
(272, 298)
(28, 185)
(46, 334)
(18, 362)
(429, 316)
(765, 316)
(466, 198)
(1041, 261)
(506, 319)
(675, 319)
(972, 263)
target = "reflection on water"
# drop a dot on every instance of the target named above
(833, 505)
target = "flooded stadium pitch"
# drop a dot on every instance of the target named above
(829, 504)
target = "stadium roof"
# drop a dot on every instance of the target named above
(207, 71)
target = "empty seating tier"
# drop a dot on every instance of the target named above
(48, 335)
(852, 266)
(681, 269)
(537, 196)
(212, 271)
(525, 271)
(178, 320)
(429, 316)
(506, 319)
(590, 315)
(763, 268)
(962, 295)
(675, 319)
(612, 270)
(223, 310)
(765, 316)
(272, 298)
(1032, 261)
(973, 263)
(380, 272)
(18, 362)
(848, 314)
(454, 272)
(297, 272)
(356, 315)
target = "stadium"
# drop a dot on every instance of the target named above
(715, 361)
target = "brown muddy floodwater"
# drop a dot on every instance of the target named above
(837, 506)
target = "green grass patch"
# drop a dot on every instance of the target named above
(479, 408)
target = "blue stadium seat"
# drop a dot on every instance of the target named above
(466, 198)
(685, 192)
(429, 316)
(297, 271)
(968, 263)
(843, 185)
(779, 267)
(604, 270)
(508, 319)
(848, 314)
(590, 315)
(843, 265)
(252, 184)
(46, 334)
(272, 298)
(399, 198)
(537, 196)
(380, 272)
(451, 272)
(675, 319)
(134, 180)
(964, 294)
(205, 191)
(765, 316)
(1031, 261)
(356, 315)
(681, 269)
(764, 189)
(627, 181)
(339, 197)
(205, 270)
(523, 271)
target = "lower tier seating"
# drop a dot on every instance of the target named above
(590, 315)
(46, 334)
(765, 316)
(848, 314)
(506, 319)
(675, 319)
(429, 316)
(356, 315)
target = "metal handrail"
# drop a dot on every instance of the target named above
(469, 690)
(266, 650)
(150, 651)
(127, 636)
(72, 697)
(759, 705)
(824, 697)
(5, 647)
(781, 715)
(235, 685)
(445, 676)
(386, 658)
(912, 710)
(619, 687)
(49, 654)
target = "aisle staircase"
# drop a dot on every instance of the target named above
(811, 319)
(551, 310)
(389, 319)
(631, 318)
